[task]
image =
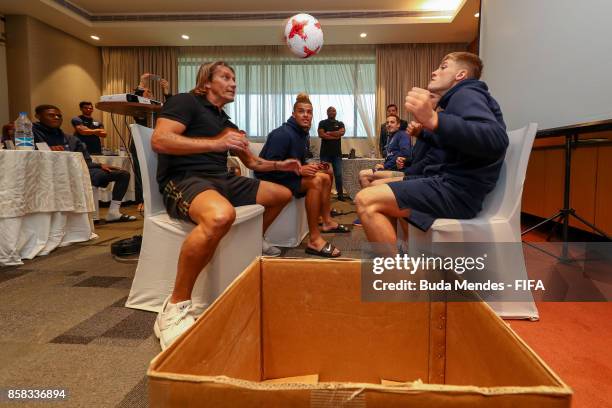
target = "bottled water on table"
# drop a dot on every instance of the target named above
(24, 139)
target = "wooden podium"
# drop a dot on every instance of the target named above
(136, 109)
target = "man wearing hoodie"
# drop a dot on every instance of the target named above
(469, 128)
(289, 142)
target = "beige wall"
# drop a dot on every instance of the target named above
(4, 113)
(61, 70)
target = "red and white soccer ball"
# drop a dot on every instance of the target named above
(303, 35)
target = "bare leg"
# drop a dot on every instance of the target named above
(386, 180)
(375, 205)
(214, 216)
(326, 184)
(313, 187)
(274, 197)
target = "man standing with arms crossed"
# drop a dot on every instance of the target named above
(331, 131)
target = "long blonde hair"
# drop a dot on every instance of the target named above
(205, 75)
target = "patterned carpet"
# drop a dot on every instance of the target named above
(63, 323)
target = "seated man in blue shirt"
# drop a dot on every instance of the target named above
(49, 131)
(470, 129)
(314, 181)
(399, 146)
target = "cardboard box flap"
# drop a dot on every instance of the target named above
(314, 321)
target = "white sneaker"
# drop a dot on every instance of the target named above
(172, 321)
(196, 310)
(269, 250)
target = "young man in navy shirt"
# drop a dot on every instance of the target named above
(314, 182)
(49, 131)
(471, 130)
(398, 147)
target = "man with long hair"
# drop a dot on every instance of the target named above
(193, 136)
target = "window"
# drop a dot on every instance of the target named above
(266, 91)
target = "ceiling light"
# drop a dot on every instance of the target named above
(185, 37)
(477, 15)
(95, 37)
(363, 35)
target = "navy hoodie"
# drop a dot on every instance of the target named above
(472, 132)
(399, 146)
(423, 156)
(285, 142)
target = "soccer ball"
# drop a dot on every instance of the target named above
(303, 35)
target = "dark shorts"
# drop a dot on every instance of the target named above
(429, 198)
(292, 181)
(178, 194)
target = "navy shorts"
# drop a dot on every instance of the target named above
(178, 194)
(292, 181)
(429, 198)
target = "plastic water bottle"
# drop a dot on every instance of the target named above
(24, 139)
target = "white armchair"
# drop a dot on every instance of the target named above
(163, 237)
(498, 222)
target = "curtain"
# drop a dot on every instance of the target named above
(269, 78)
(399, 67)
(121, 71)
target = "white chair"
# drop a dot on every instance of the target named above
(291, 225)
(163, 237)
(498, 222)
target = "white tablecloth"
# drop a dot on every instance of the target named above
(122, 162)
(350, 173)
(45, 201)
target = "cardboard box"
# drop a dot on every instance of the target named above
(294, 333)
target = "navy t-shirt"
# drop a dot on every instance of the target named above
(201, 119)
(94, 146)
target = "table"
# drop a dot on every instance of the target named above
(350, 173)
(122, 162)
(45, 201)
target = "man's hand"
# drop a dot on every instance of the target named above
(231, 139)
(309, 170)
(100, 132)
(106, 168)
(290, 165)
(419, 103)
(400, 162)
(415, 128)
(379, 166)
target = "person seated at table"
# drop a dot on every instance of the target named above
(87, 130)
(48, 130)
(399, 147)
(314, 181)
(384, 137)
(472, 132)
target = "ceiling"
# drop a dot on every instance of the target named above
(247, 22)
